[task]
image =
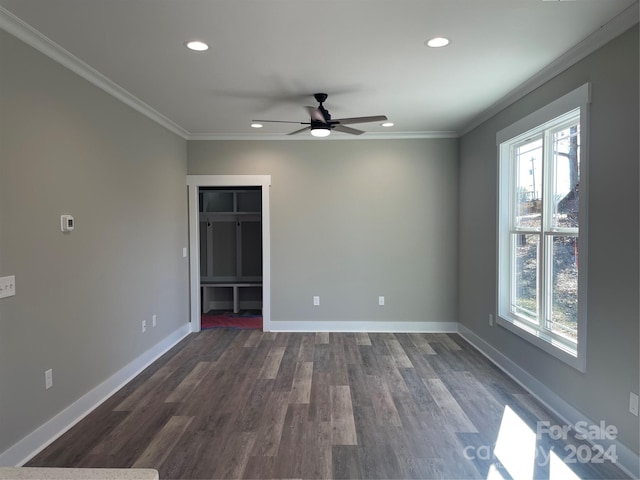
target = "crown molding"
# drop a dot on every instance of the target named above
(610, 30)
(29, 35)
(366, 136)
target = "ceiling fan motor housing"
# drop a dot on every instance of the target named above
(319, 124)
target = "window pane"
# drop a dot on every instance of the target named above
(566, 177)
(524, 298)
(564, 286)
(528, 191)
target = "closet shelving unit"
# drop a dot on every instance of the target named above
(231, 248)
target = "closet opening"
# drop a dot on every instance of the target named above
(231, 257)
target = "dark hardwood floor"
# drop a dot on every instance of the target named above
(248, 404)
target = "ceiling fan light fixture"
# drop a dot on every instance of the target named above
(387, 124)
(197, 46)
(256, 125)
(320, 131)
(437, 42)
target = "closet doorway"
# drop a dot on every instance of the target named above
(229, 246)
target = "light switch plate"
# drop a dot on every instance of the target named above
(633, 403)
(7, 286)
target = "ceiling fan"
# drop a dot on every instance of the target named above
(321, 123)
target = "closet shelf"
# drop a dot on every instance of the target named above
(221, 279)
(229, 213)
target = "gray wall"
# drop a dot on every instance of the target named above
(352, 220)
(602, 393)
(68, 147)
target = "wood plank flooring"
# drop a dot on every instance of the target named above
(248, 404)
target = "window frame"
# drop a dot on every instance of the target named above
(541, 124)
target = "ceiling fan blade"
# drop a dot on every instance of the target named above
(280, 121)
(315, 114)
(299, 131)
(348, 121)
(343, 129)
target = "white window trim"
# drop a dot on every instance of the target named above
(578, 98)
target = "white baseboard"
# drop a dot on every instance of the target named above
(36, 441)
(628, 460)
(363, 326)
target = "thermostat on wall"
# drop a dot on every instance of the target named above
(66, 223)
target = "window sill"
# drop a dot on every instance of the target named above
(572, 357)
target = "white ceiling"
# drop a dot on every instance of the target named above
(267, 57)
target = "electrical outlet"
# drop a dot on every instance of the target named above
(154, 321)
(491, 319)
(184, 252)
(633, 403)
(144, 326)
(316, 300)
(381, 300)
(48, 379)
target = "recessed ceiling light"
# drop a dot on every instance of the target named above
(256, 125)
(387, 124)
(197, 46)
(437, 42)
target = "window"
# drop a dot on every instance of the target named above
(542, 228)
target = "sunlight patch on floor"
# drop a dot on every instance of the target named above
(518, 451)
(558, 470)
(516, 445)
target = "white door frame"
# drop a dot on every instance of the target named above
(194, 182)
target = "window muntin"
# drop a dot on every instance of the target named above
(541, 283)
